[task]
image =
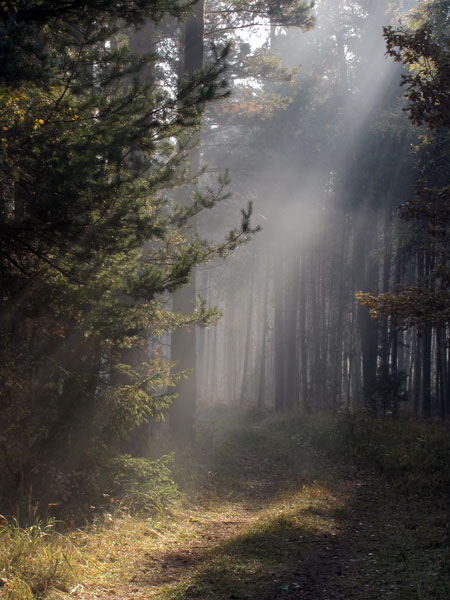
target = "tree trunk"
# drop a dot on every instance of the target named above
(303, 334)
(263, 358)
(183, 343)
(279, 336)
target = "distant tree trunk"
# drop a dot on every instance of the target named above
(204, 345)
(368, 273)
(249, 317)
(230, 359)
(263, 358)
(290, 328)
(447, 371)
(337, 370)
(141, 42)
(317, 374)
(426, 350)
(440, 381)
(279, 335)
(387, 262)
(394, 373)
(355, 358)
(426, 370)
(212, 374)
(417, 383)
(303, 333)
(394, 345)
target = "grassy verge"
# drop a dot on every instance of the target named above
(264, 516)
(55, 559)
(418, 454)
(408, 464)
(35, 562)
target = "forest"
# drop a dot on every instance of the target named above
(225, 299)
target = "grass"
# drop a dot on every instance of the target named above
(266, 558)
(264, 516)
(409, 463)
(35, 562)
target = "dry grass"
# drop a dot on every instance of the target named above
(264, 516)
(35, 562)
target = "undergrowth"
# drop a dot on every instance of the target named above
(44, 559)
(77, 496)
(141, 484)
(275, 465)
(408, 463)
(415, 454)
(34, 562)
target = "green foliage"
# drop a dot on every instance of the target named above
(240, 13)
(92, 238)
(424, 49)
(101, 484)
(140, 484)
(30, 30)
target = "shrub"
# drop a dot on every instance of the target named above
(140, 483)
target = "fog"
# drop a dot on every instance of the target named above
(326, 171)
(308, 206)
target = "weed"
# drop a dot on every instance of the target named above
(34, 560)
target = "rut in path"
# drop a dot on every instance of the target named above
(276, 527)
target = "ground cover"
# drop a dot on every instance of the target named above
(276, 508)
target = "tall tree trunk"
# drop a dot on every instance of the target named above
(248, 336)
(279, 336)
(367, 272)
(316, 374)
(183, 343)
(387, 261)
(303, 333)
(394, 344)
(291, 334)
(440, 393)
(426, 349)
(263, 358)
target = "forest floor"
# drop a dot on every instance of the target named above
(267, 516)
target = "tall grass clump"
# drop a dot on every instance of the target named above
(34, 561)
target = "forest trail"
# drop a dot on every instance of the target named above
(273, 520)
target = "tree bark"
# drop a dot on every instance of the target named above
(183, 343)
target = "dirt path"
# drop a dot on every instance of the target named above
(271, 525)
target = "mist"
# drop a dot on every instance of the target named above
(224, 299)
(326, 173)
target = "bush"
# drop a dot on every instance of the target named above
(99, 485)
(141, 484)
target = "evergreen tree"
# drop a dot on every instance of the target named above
(91, 238)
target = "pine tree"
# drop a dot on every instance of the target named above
(91, 238)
